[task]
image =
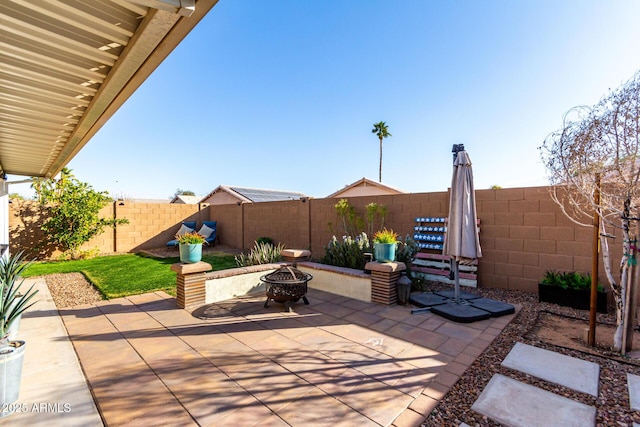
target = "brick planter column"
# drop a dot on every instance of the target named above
(383, 281)
(295, 255)
(190, 289)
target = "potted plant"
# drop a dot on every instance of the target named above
(570, 289)
(12, 305)
(190, 247)
(384, 245)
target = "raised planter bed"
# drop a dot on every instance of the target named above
(578, 299)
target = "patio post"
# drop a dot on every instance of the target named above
(191, 279)
(384, 276)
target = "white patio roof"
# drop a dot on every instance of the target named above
(67, 66)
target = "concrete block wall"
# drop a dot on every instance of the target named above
(523, 232)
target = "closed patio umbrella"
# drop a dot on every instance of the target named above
(461, 241)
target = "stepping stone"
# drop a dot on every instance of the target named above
(462, 313)
(557, 368)
(496, 308)
(517, 404)
(633, 384)
(426, 299)
(451, 293)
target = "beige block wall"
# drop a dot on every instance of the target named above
(523, 233)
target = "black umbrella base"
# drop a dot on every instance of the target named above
(426, 299)
(451, 293)
(470, 309)
(496, 308)
(462, 313)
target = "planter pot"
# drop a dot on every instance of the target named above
(384, 252)
(578, 299)
(190, 253)
(10, 376)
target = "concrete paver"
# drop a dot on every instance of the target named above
(516, 404)
(334, 362)
(576, 374)
(633, 384)
(53, 390)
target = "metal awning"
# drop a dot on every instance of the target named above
(67, 66)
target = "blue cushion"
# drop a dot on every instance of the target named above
(213, 226)
(190, 224)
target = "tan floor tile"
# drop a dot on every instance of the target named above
(383, 325)
(160, 345)
(459, 331)
(319, 410)
(332, 309)
(452, 346)
(134, 323)
(409, 418)
(132, 393)
(417, 335)
(415, 380)
(432, 322)
(377, 401)
(363, 318)
(173, 318)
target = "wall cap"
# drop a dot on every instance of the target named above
(385, 267)
(196, 267)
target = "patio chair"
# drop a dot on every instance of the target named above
(209, 231)
(186, 227)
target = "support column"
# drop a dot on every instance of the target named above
(383, 281)
(295, 255)
(190, 289)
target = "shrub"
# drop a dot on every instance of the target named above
(262, 253)
(268, 240)
(569, 280)
(347, 253)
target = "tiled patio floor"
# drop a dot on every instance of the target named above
(335, 362)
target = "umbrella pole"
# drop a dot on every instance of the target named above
(456, 270)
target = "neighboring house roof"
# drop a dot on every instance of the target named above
(255, 195)
(365, 187)
(186, 199)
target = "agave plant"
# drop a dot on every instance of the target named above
(12, 302)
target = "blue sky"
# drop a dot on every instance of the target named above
(283, 94)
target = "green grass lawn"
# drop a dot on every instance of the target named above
(121, 275)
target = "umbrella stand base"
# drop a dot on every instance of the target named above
(461, 313)
(426, 299)
(496, 308)
(451, 293)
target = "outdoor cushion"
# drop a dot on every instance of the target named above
(184, 230)
(206, 231)
(213, 236)
(185, 227)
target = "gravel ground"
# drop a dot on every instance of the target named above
(612, 402)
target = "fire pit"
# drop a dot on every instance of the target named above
(286, 285)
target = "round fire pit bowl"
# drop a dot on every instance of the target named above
(286, 285)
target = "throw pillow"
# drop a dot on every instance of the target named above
(205, 231)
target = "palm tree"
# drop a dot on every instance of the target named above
(382, 131)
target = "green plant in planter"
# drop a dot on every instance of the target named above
(569, 280)
(349, 253)
(385, 236)
(262, 253)
(192, 238)
(12, 302)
